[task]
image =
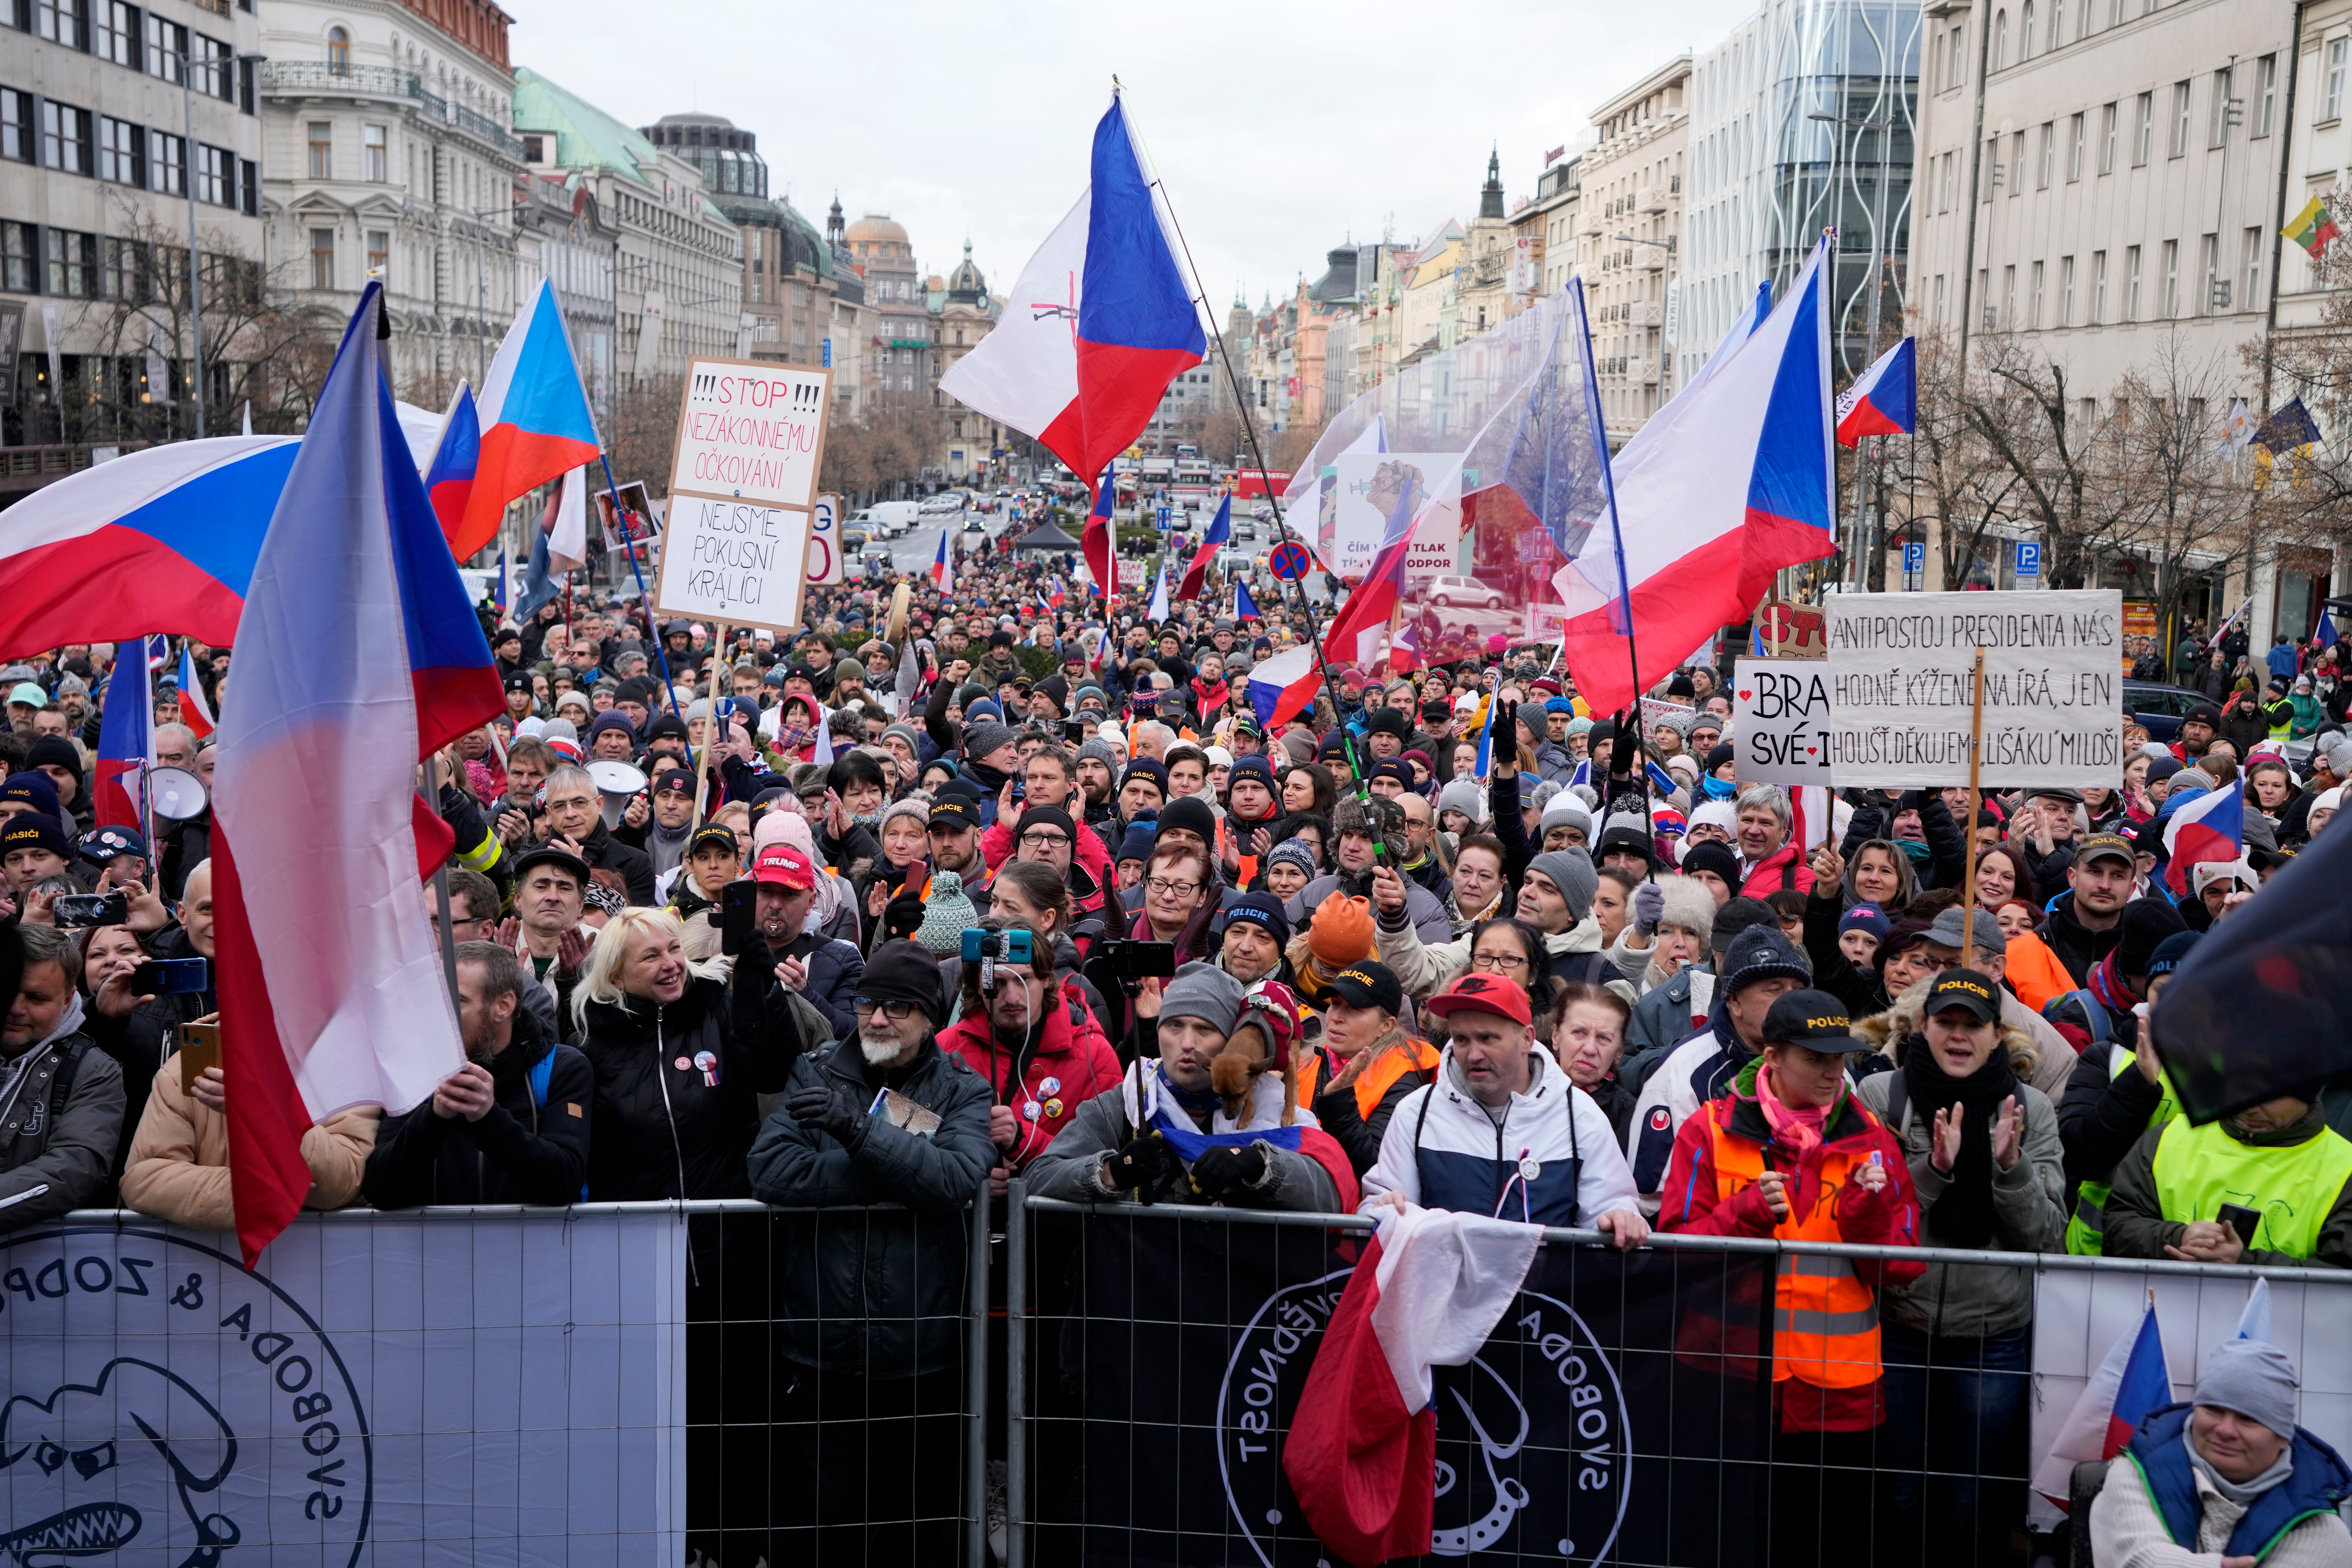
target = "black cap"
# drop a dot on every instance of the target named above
(1965, 988)
(713, 836)
(2056, 791)
(902, 971)
(1049, 816)
(1813, 1019)
(518, 682)
(1364, 984)
(555, 855)
(956, 812)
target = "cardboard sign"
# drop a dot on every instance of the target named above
(751, 431)
(1901, 690)
(733, 560)
(1780, 715)
(1790, 631)
(825, 553)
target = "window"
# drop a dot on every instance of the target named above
(2016, 163)
(2253, 268)
(321, 164)
(2008, 297)
(16, 125)
(1953, 67)
(59, 21)
(2034, 300)
(322, 259)
(2172, 280)
(2143, 128)
(167, 161)
(2131, 283)
(379, 244)
(2000, 39)
(2332, 106)
(2098, 287)
(2025, 31)
(2107, 117)
(17, 269)
(210, 69)
(2065, 290)
(1951, 163)
(167, 44)
(73, 263)
(2265, 92)
(2073, 149)
(2211, 303)
(2179, 120)
(119, 152)
(2057, 23)
(375, 154)
(64, 137)
(339, 51)
(118, 33)
(2049, 155)
(1939, 299)
(2224, 102)
(125, 277)
(215, 175)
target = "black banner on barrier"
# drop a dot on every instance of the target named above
(1619, 1410)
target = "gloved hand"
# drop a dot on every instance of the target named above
(1143, 1164)
(1649, 905)
(823, 1110)
(1222, 1169)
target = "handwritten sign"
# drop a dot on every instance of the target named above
(824, 541)
(1900, 689)
(733, 560)
(1780, 715)
(751, 431)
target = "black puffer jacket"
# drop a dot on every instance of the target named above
(677, 1086)
(520, 1152)
(878, 1294)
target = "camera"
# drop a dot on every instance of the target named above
(995, 946)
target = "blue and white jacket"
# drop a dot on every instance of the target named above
(1443, 1150)
(1691, 1074)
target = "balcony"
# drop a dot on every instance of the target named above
(314, 78)
(25, 468)
(1652, 199)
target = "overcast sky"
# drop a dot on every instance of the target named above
(1280, 128)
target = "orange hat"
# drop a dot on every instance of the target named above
(1341, 933)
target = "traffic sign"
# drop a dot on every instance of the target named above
(1161, 517)
(1288, 561)
(1915, 556)
(2028, 558)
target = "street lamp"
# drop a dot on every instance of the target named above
(1665, 356)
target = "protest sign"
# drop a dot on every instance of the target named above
(1788, 631)
(732, 561)
(751, 431)
(824, 541)
(1371, 489)
(1900, 688)
(633, 522)
(1780, 714)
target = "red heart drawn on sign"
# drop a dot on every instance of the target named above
(1811, 750)
(1746, 696)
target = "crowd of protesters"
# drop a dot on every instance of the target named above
(1549, 988)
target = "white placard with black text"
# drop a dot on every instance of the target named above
(1781, 717)
(750, 431)
(733, 560)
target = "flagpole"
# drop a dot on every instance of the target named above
(612, 492)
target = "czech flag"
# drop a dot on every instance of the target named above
(534, 422)
(449, 482)
(1283, 686)
(193, 712)
(1221, 531)
(1361, 1454)
(2210, 829)
(126, 742)
(1097, 325)
(1882, 399)
(943, 565)
(338, 999)
(1244, 608)
(2129, 1382)
(1053, 600)
(1099, 542)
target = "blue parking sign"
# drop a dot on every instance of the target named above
(2028, 558)
(1915, 556)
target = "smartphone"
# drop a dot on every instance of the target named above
(1073, 731)
(74, 911)
(2243, 1220)
(200, 1048)
(1142, 959)
(739, 904)
(172, 977)
(1019, 789)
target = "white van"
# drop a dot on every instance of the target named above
(899, 515)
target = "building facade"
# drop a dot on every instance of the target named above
(390, 157)
(111, 115)
(1630, 239)
(1550, 222)
(562, 235)
(972, 447)
(897, 318)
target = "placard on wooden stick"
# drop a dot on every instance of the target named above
(751, 441)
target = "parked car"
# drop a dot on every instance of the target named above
(2159, 708)
(1448, 592)
(853, 538)
(879, 557)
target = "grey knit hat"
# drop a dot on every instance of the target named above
(1465, 796)
(1296, 852)
(947, 910)
(1531, 714)
(2254, 1379)
(1571, 871)
(1099, 750)
(908, 733)
(980, 739)
(1201, 991)
(1762, 952)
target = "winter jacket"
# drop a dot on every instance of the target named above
(2033, 971)
(833, 969)
(59, 1125)
(634, 866)
(2073, 944)
(522, 1151)
(676, 1108)
(1071, 1168)
(178, 1168)
(1071, 1062)
(881, 1294)
(1784, 869)
(1960, 1301)
(1424, 968)
(1664, 1018)
(2157, 1510)
(2038, 1053)
(2137, 1225)
(141, 1041)
(1548, 1158)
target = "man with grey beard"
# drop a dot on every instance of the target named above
(883, 1117)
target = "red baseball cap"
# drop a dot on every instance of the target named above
(783, 864)
(1478, 991)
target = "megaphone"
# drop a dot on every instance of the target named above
(618, 781)
(175, 795)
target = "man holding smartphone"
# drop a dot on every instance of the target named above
(2269, 1185)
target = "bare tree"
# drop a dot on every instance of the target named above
(2304, 496)
(1947, 469)
(2177, 500)
(641, 431)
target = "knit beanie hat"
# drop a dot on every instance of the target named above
(1136, 843)
(908, 733)
(2254, 1379)
(2171, 953)
(1192, 814)
(2146, 923)
(946, 913)
(54, 752)
(1717, 813)
(1466, 796)
(1865, 917)
(980, 739)
(1571, 871)
(2162, 768)
(1563, 811)
(1762, 952)
(1710, 855)
(903, 971)
(1203, 991)
(1097, 749)
(1145, 767)
(1339, 932)
(1531, 714)
(1265, 910)
(1294, 852)
(1718, 754)
(920, 810)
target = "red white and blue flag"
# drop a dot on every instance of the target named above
(1220, 532)
(534, 420)
(1098, 324)
(2210, 830)
(338, 999)
(1054, 599)
(1284, 685)
(195, 712)
(457, 459)
(942, 572)
(1099, 540)
(126, 742)
(1882, 401)
(1244, 608)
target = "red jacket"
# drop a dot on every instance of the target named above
(1072, 1063)
(1784, 867)
(996, 846)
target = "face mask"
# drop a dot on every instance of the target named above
(1718, 789)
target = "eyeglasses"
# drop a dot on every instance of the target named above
(1168, 887)
(1497, 962)
(1044, 840)
(897, 1012)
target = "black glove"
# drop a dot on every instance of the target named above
(1222, 1169)
(823, 1109)
(1143, 1164)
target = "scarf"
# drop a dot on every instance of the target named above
(2107, 985)
(1963, 1216)
(1795, 1128)
(2241, 1493)
(1913, 849)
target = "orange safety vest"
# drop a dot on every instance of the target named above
(1825, 1320)
(1413, 1055)
(2035, 973)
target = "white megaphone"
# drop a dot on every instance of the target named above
(618, 781)
(175, 795)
